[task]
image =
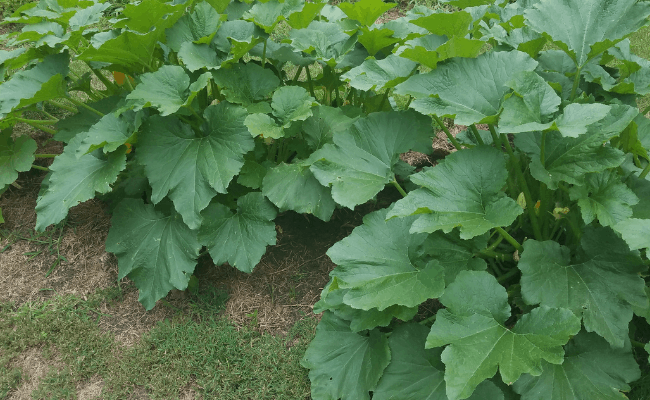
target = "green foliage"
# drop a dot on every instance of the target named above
(535, 243)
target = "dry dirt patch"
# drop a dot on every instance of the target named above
(34, 368)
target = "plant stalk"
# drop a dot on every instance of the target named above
(264, 54)
(495, 136)
(84, 105)
(37, 121)
(451, 138)
(524, 186)
(17, 186)
(645, 171)
(109, 85)
(45, 155)
(477, 135)
(311, 84)
(399, 188)
(63, 106)
(295, 78)
(514, 271)
(41, 168)
(576, 82)
(383, 100)
(509, 238)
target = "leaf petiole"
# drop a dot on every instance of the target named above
(63, 106)
(451, 138)
(40, 168)
(514, 271)
(45, 155)
(478, 137)
(509, 238)
(398, 187)
(524, 186)
(83, 105)
(645, 171)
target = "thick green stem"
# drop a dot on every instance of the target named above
(339, 100)
(195, 113)
(509, 238)
(477, 135)
(637, 344)
(493, 254)
(84, 105)
(399, 188)
(495, 136)
(645, 171)
(128, 84)
(426, 321)
(295, 78)
(264, 54)
(408, 103)
(50, 116)
(311, 84)
(495, 244)
(41, 168)
(576, 82)
(37, 121)
(63, 106)
(45, 155)
(508, 275)
(109, 85)
(37, 126)
(524, 186)
(451, 138)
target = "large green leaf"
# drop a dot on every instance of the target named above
(359, 163)
(366, 11)
(344, 364)
(376, 39)
(473, 324)
(198, 26)
(463, 191)
(530, 106)
(246, 83)
(196, 56)
(570, 159)
(130, 50)
(110, 132)
(140, 17)
(79, 123)
(416, 373)
(324, 40)
(74, 180)
(294, 187)
(446, 24)
(600, 284)
(591, 370)
(166, 90)
(239, 238)
(635, 232)
(431, 49)
(604, 197)
(15, 156)
(383, 265)
(267, 14)
(157, 251)
(382, 74)
(192, 168)
(320, 128)
(586, 28)
(292, 103)
(455, 254)
(332, 299)
(44, 81)
(413, 373)
(469, 90)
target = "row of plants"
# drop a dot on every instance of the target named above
(532, 236)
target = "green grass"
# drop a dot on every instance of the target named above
(202, 350)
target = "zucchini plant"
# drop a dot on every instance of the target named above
(528, 243)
